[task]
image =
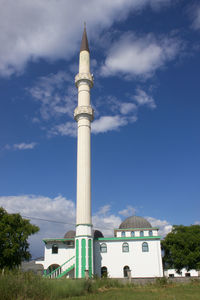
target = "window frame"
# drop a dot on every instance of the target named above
(150, 232)
(125, 245)
(103, 246)
(145, 247)
(54, 249)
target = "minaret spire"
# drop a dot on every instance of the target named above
(84, 43)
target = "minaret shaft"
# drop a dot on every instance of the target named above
(83, 209)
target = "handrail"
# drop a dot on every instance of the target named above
(54, 271)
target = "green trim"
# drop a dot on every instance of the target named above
(57, 240)
(84, 225)
(77, 258)
(48, 275)
(130, 238)
(83, 257)
(90, 257)
(66, 271)
(135, 229)
(78, 236)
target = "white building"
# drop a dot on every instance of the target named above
(135, 246)
(134, 250)
(184, 273)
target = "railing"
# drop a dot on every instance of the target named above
(58, 271)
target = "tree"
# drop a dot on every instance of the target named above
(182, 248)
(14, 232)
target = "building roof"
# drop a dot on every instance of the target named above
(135, 222)
(84, 43)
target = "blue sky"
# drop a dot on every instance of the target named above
(145, 136)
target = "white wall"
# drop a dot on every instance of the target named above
(142, 264)
(62, 256)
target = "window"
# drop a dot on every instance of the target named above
(125, 247)
(103, 248)
(104, 272)
(126, 270)
(187, 274)
(132, 233)
(54, 249)
(141, 233)
(150, 233)
(171, 275)
(145, 247)
(123, 234)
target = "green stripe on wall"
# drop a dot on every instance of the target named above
(83, 257)
(90, 257)
(77, 257)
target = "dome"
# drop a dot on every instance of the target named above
(135, 222)
(69, 234)
(97, 234)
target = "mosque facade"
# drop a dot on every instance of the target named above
(134, 249)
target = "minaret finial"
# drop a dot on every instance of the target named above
(84, 43)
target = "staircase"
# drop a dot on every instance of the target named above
(63, 269)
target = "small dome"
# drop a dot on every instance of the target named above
(69, 234)
(97, 234)
(135, 222)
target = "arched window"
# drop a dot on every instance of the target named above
(141, 233)
(145, 247)
(54, 249)
(123, 234)
(104, 272)
(103, 248)
(150, 232)
(126, 269)
(132, 233)
(125, 247)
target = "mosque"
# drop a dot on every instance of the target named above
(134, 249)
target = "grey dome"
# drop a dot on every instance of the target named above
(135, 222)
(69, 234)
(97, 234)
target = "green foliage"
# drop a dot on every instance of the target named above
(14, 232)
(182, 248)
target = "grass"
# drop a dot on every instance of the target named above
(27, 286)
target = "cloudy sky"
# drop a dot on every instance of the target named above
(145, 136)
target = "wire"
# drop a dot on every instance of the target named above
(60, 222)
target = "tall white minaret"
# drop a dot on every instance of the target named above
(84, 115)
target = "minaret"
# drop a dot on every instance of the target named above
(84, 115)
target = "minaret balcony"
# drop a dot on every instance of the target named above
(84, 77)
(84, 111)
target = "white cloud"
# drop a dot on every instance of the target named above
(128, 211)
(164, 226)
(51, 29)
(55, 209)
(108, 123)
(48, 90)
(142, 98)
(105, 221)
(127, 107)
(21, 146)
(196, 17)
(139, 56)
(65, 129)
(197, 223)
(61, 214)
